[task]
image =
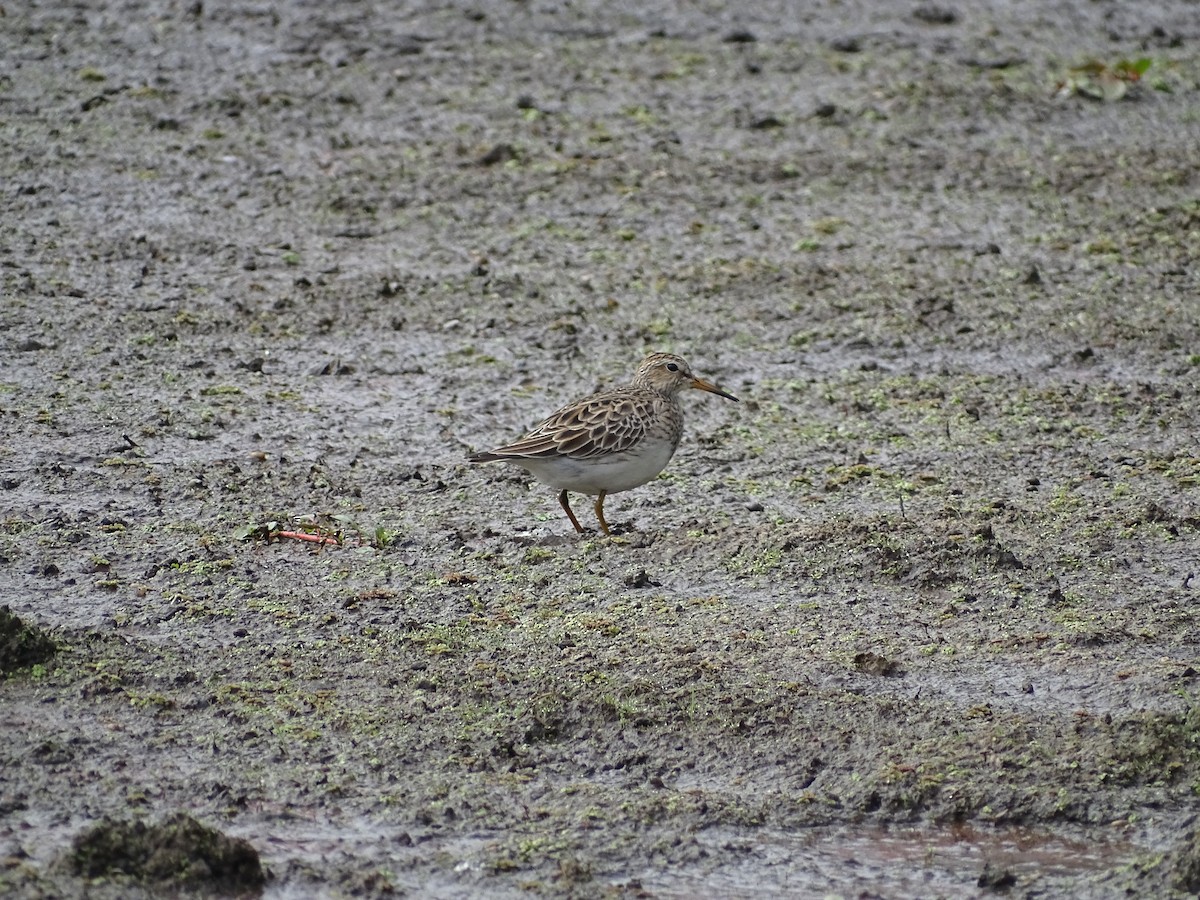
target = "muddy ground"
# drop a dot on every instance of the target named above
(917, 617)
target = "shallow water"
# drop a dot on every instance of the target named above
(893, 862)
(897, 863)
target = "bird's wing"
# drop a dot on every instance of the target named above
(608, 422)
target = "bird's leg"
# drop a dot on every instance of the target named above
(600, 512)
(566, 505)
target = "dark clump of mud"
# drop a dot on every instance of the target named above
(178, 853)
(1186, 870)
(21, 645)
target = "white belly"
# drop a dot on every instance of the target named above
(611, 474)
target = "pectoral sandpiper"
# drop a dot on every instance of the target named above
(611, 441)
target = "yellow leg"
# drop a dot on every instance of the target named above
(600, 512)
(566, 505)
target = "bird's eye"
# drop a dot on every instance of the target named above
(672, 367)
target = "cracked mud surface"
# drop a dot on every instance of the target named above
(918, 616)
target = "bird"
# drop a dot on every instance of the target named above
(611, 441)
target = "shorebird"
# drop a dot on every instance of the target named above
(611, 441)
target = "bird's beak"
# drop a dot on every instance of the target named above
(701, 384)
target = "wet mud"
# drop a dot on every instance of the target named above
(918, 617)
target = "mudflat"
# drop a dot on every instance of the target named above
(918, 617)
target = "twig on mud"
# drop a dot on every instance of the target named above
(302, 528)
(309, 536)
(321, 529)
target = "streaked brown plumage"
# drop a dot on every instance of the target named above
(611, 441)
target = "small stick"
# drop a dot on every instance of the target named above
(306, 536)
